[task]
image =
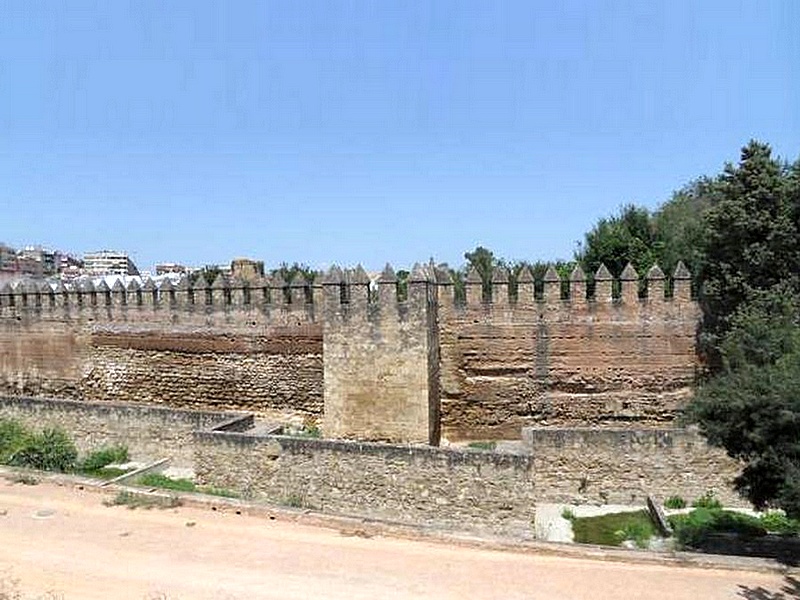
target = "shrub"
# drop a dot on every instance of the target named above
(103, 457)
(692, 529)
(50, 450)
(707, 500)
(776, 521)
(675, 502)
(13, 437)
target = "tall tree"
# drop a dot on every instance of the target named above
(750, 241)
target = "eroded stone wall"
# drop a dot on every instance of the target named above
(200, 358)
(624, 466)
(564, 363)
(461, 490)
(149, 432)
(379, 358)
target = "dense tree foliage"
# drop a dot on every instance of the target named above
(739, 233)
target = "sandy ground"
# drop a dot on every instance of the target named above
(62, 539)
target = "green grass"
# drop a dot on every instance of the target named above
(159, 480)
(613, 529)
(482, 445)
(776, 521)
(675, 502)
(707, 500)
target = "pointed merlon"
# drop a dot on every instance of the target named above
(603, 274)
(133, 286)
(359, 275)
(655, 273)
(87, 286)
(220, 283)
(681, 272)
(199, 283)
(59, 287)
(118, 286)
(333, 276)
(388, 275)
(103, 286)
(629, 273)
(499, 275)
(473, 276)
(577, 274)
(418, 274)
(551, 275)
(525, 275)
(166, 285)
(6, 290)
(277, 281)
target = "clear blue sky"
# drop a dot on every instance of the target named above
(368, 132)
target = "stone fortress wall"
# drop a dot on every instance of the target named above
(589, 384)
(362, 361)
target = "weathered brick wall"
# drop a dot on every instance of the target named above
(149, 432)
(564, 362)
(461, 490)
(261, 360)
(624, 466)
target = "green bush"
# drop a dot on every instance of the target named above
(50, 450)
(776, 521)
(103, 457)
(693, 528)
(707, 500)
(13, 437)
(675, 502)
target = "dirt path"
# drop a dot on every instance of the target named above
(62, 539)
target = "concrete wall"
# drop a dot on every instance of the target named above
(624, 466)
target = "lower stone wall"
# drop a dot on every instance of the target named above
(149, 432)
(468, 490)
(457, 489)
(624, 466)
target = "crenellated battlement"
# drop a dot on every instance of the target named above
(352, 288)
(396, 359)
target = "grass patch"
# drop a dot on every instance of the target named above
(707, 500)
(159, 480)
(482, 445)
(134, 500)
(613, 529)
(675, 502)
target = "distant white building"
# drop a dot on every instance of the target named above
(108, 262)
